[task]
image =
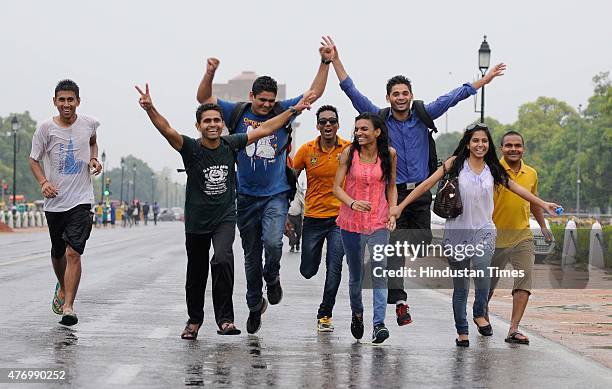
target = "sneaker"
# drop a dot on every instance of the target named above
(357, 326)
(403, 314)
(254, 321)
(275, 293)
(324, 324)
(380, 333)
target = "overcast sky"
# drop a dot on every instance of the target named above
(552, 48)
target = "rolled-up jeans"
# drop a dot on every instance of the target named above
(354, 247)
(461, 286)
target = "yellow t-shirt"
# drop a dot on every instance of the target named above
(511, 212)
(320, 169)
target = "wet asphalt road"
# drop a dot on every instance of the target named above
(131, 311)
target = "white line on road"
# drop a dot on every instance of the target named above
(124, 374)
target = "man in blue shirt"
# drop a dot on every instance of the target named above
(262, 200)
(409, 137)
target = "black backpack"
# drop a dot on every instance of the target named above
(419, 110)
(239, 110)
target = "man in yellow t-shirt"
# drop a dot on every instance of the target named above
(320, 158)
(514, 239)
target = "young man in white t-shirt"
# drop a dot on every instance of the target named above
(66, 144)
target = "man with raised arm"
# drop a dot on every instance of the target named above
(210, 208)
(408, 135)
(263, 186)
(67, 145)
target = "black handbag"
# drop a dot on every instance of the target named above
(448, 203)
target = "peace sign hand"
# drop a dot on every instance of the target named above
(145, 98)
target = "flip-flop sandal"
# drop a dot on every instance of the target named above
(69, 319)
(56, 306)
(512, 338)
(229, 330)
(189, 333)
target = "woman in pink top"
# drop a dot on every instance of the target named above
(367, 169)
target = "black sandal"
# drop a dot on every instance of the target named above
(484, 330)
(189, 333)
(512, 338)
(462, 343)
(229, 329)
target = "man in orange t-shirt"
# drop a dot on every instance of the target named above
(320, 158)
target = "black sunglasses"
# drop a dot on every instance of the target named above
(324, 121)
(476, 125)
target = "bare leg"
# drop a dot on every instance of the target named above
(519, 303)
(72, 277)
(59, 267)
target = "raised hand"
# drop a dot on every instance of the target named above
(145, 97)
(307, 99)
(498, 70)
(211, 65)
(327, 50)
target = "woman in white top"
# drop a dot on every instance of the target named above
(480, 174)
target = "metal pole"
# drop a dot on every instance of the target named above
(166, 192)
(102, 189)
(122, 167)
(482, 102)
(134, 184)
(152, 188)
(578, 165)
(14, 166)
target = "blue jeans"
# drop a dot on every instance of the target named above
(461, 287)
(354, 247)
(261, 221)
(314, 233)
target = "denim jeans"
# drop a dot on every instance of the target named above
(354, 247)
(261, 221)
(461, 287)
(315, 232)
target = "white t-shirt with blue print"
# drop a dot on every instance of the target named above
(65, 154)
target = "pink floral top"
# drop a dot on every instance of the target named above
(363, 182)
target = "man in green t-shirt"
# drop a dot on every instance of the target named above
(210, 207)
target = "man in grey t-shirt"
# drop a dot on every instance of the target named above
(67, 146)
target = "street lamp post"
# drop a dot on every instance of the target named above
(152, 188)
(15, 125)
(578, 166)
(122, 167)
(134, 185)
(484, 60)
(166, 192)
(102, 185)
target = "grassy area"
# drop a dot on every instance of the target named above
(583, 236)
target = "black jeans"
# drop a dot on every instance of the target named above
(414, 227)
(222, 269)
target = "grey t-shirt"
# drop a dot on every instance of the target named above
(65, 154)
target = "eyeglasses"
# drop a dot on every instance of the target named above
(476, 125)
(324, 121)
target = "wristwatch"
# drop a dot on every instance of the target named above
(294, 111)
(326, 62)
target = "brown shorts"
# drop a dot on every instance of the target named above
(521, 257)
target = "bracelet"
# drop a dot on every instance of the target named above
(44, 182)
(353, 203)
(324, 62)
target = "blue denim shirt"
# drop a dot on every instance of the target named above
(409, 138)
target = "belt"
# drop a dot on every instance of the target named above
(408, 185)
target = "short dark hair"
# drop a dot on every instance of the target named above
(208, 107)
(396, 81)
(327, 108)
(512, 132)
(67, 85)
(264, 84)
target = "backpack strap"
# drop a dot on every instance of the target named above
(421, 112)
(277, 110)
(239, 110)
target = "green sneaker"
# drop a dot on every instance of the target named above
(56, 306)
(324, 324)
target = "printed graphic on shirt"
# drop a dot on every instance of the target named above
(264, 149)
(216, 179)
(67, 163)
(313, 160)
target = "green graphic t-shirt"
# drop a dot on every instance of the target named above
(210, 198)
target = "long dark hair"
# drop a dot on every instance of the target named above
(382, 144)
(500, 176)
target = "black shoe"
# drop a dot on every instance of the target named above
(254, 321)
(462, 343)
(275, 293)
(380, 333)
(357, 326)
(484, 330)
